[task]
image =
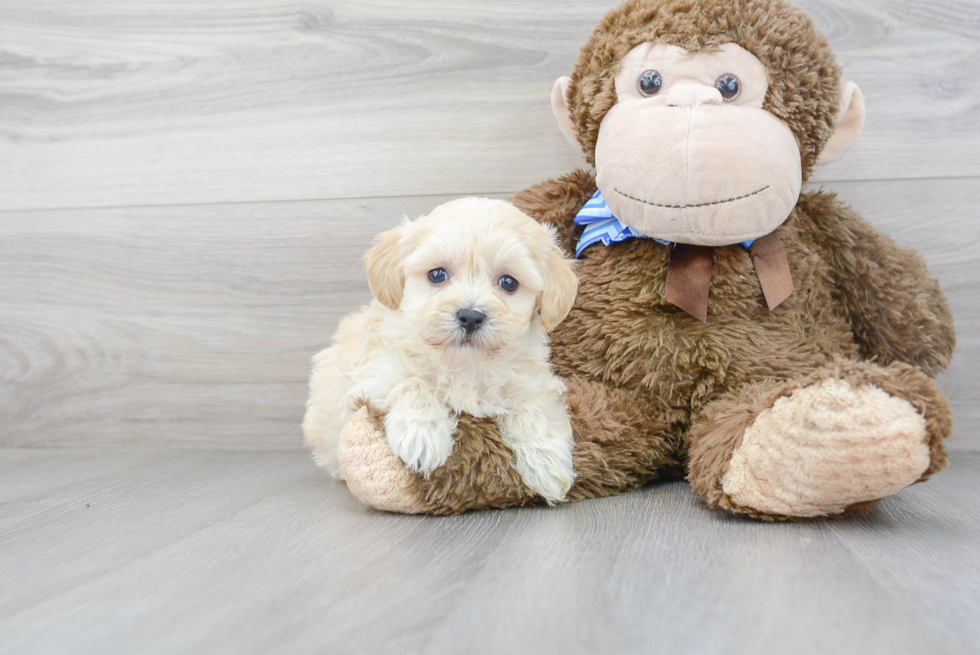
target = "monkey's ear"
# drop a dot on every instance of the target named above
(850, 120)
(559, 105)
(384, 267)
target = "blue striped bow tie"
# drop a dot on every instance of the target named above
(601, 225)
(689, 271)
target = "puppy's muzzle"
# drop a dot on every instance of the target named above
(470, 320)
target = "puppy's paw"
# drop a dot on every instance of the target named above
(423, 443)
(546, 470)
(540, 436)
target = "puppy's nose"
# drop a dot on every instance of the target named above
(470, 320)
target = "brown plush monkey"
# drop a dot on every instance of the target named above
(769, 345)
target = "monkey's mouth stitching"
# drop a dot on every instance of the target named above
(703, 204)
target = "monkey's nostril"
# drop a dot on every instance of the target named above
(470, 320)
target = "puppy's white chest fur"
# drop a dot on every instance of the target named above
(486, 387)
(471, 392)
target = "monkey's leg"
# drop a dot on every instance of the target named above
(618, 447)
(835, 441)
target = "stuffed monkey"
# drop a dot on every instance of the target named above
(762, 341)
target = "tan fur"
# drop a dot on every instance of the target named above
(560, 286)
(654, 393)
(383, 265)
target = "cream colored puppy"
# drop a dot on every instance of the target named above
(464, 299)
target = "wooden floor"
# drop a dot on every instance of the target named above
(186, 189)
(106, 551)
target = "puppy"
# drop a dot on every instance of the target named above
(464, 298)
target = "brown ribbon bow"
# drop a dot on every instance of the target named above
(689, 275)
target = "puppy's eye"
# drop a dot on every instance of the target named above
(650, 83)
(508, 284)
(438, 275)
(729, 86)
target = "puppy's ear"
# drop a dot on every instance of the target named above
(560, 285)
(384, 267)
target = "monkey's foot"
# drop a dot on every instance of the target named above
(826, 447)
(374, 473)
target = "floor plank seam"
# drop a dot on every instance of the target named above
(458, 194)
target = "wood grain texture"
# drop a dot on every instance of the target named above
(193, 326)
(258, 552)
(183, 326)
(118, 104)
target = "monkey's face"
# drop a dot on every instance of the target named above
(688, 154)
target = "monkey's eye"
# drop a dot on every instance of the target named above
(650, 83)
(508, 284)
(438, 275)
(729, 86)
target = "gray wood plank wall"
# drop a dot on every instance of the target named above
(186, 188)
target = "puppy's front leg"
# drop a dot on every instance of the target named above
(419, 426)
(540, 436)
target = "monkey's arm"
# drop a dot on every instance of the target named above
(619, 446)
(556, 202)
(897, 311)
